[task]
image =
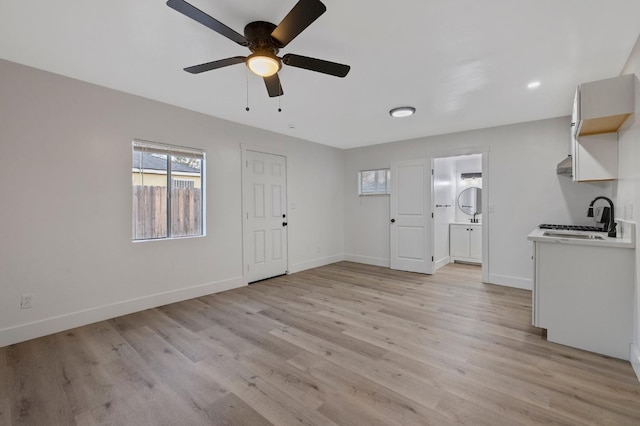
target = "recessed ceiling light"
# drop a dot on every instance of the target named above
(533, 84)
(404, 111)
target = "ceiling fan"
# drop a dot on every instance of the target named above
(265, 39)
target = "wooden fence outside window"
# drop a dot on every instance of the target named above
(150, 212)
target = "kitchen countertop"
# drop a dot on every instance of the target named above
(626, 239)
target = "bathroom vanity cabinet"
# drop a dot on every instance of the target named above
(465, 242)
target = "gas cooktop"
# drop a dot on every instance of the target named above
(571, 227)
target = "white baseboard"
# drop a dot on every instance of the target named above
(634, 358)
(442, 262)
(376, 261)
(315, 263)
(508, 281)
(43, 327)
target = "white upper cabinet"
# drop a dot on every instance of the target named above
(599, 110)
(602, 106)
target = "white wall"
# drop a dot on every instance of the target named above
(65, 215)
(628, 187)
(521, 182)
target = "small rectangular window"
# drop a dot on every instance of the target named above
(374, 182)
(168, 191)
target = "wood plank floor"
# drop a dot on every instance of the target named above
(344, 344)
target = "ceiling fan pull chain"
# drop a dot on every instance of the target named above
(279, 100)
(247, 108)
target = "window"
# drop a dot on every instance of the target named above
(168, 191)
(374, 182)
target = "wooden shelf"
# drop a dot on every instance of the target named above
(596, 126)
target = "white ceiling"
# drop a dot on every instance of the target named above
(464, 64)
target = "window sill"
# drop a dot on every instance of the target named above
(168, 239)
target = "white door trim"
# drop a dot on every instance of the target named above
(273, 151)
(244, 148)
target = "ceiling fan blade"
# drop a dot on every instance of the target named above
(197, 15)
(319, 65)
(197, 69)
(273, 86)
(299, 18)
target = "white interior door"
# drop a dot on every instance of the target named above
(264, 201)
(411, 217)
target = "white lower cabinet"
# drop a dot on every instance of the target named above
(465, 242)
(583, 296)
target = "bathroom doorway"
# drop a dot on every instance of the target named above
(460, 196)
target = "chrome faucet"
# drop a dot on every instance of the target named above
(612, 223)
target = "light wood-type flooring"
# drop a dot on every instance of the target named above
(344, 344)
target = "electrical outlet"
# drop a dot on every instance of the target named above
(25, 301)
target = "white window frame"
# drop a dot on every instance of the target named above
(386, 190)
(169, 151)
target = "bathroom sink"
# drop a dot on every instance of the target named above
(572, 235)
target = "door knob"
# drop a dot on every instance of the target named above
(284, 223)
(393, 221)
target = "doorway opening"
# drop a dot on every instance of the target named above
(460, 195)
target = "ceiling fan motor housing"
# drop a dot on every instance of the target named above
(258, 34)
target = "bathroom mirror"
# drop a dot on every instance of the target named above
(470, 200)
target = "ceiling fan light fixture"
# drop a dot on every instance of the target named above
(404, 111)
(263, 65)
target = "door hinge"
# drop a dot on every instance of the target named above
(431, 215)
(247, 215)
(246, 163)
(432, 258)
(431, 172)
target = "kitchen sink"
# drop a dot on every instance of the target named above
(573, 235)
